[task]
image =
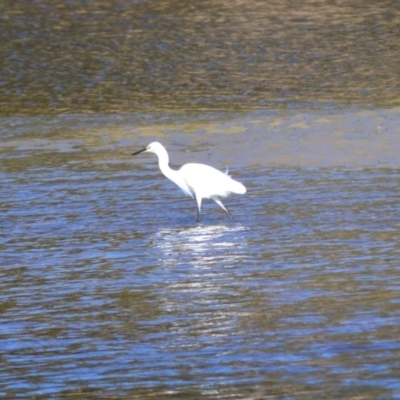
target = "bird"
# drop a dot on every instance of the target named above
(199, 181)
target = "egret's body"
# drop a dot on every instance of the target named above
(199, 181)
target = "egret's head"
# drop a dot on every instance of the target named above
(154, 147)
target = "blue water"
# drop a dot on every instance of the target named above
(108, 286)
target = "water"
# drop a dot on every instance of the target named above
(110, 288)
(69, 56)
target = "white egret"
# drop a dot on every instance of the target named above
(199, 181)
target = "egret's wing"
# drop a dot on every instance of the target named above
(207, 181)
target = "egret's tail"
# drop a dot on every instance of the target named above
(237, 187)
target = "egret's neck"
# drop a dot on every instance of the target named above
(174, 176)
(163, 163)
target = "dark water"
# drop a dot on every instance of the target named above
(123, 56)
(108, 287)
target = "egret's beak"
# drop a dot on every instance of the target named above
(140, 151)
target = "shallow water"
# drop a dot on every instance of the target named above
(109, 287)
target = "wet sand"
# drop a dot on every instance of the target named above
(351, 139)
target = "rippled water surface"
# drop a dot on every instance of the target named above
(64, 56)
(108, 286)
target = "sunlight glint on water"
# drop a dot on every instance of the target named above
(109, 286)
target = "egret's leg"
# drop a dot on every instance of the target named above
(198, 199)
(219, 202)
